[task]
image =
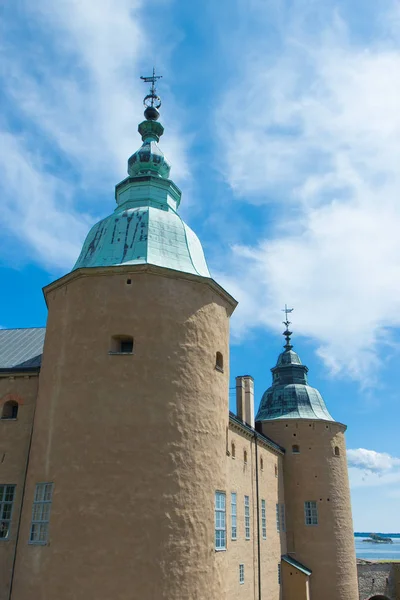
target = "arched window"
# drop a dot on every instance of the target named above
(10, 410)
(337, 451)
(219, 362)
(245, 457)
(121, 344)
(233, 450)
(296, 449)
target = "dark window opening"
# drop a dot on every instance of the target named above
(245, 457)
(337, 451)
(122, 344)
(10, 410)
(261, 464)
(219, 362)
(296, 449)
(129, 281)
(233, 450)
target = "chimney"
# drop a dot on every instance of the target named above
(245, 399)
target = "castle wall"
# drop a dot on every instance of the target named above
(295, 583)
(316, 474)
(242, 480)
(135, 444)
(14, 445)
(378, 579)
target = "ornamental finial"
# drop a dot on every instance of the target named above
(287, 333)
(152, 102)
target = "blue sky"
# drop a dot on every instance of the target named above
(282, 123)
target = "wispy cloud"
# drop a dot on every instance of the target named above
(319, 139)
(72, 108)
(368, 468)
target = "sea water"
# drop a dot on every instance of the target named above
(371, 551)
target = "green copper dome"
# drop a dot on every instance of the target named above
(145, 227)
(290, 396)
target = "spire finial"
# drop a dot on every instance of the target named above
(151, 101)
(287, 333)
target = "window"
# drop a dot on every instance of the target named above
(276, 471)
(41, 513)
(121, 344)
(219, 362)
(241, 573)
(233, 516)
(245, 457)
(233, 450)
(220, 521)
(261, 464)
(10, 410)
(337, 451)
(247, 517)
(277, 518)
(7, 493)
(296, 449)
(263, 520)
(283, 521)
(311, 512)
(279, 573)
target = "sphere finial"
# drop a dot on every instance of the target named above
(287, 333)
(151, 101)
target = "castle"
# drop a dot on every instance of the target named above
(122, 473)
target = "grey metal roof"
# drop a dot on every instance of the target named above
(290, 396)
(21, 348)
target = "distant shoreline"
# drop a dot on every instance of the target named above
(367, 534)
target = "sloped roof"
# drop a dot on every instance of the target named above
(21, 348)
(295, 563)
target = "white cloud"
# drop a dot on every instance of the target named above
(320, 137)
(72, 87)
(368, 468)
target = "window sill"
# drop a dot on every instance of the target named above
(219, 369)
(121, 353)
(9, 419)
(220, 549)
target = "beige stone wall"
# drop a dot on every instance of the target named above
(135, 444)
(14, 444)
(378, 579)
(316, 474)
(294, 583)
(242, 480)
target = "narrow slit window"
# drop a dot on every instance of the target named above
(245, 457)
(233, 516)
(263, 520)
(233, 450)
(219, 362)
(7, 493)
(10, 410)
(261, 464)
(241, 573)
(311, 512)
(337, 451)
(220, 521)
(41, 513)
(247, 517)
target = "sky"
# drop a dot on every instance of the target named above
(282, 124)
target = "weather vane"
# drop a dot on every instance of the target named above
(152, 100)
(287, 333)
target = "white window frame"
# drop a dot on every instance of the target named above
(7, 497)
(220, 521)
(39, 532)
(283, 518)
(310, 513)
(247, 517)
(233, 516)
(263, 520)
(241, 573)
(278, 520)
(279, 574)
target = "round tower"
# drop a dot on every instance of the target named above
(317, 495)
(132, 414)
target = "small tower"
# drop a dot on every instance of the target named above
(317, 495)
(132, 413)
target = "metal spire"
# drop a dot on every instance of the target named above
(151, 101)
(287, 333)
